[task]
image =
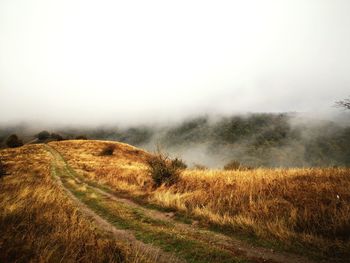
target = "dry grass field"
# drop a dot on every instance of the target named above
(300, 209)
(303, 211)
(40, 223)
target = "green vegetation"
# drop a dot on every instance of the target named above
(265, 140)
(56, 137)
(256, 140)
(13, 141)
(43, 135)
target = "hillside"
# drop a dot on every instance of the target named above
(67, 201)
(257, 140)
(39, 222)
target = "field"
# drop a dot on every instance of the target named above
(66, 202)
(39, 223)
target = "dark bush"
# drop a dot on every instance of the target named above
(81, 137)
(108, 150)
(56, 137)
(2, 169)
(12, 141)
(43, 135)
(163, 170)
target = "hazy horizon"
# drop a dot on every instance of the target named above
(94, 63)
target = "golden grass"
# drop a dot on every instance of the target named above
(307, 206)
(125, 168)
(39, 223)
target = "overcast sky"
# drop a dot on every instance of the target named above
(85, 61)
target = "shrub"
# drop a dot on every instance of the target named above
(2, 169)
(81, 137)
(163, 170)
(57, 137)
(13, 141)
(43, 135)
(108, 150)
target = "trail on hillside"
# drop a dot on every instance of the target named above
(105, 207)
(147, 251)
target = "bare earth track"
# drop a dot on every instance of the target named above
(59, 166)
(222, 248)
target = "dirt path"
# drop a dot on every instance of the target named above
(212, 239)
(151, 253)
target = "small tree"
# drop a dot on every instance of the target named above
(43, 135)
(56, 136)
(12, 141)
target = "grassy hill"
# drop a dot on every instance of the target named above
(39, 222)
(69, 201)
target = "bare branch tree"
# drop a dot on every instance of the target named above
(343, 104)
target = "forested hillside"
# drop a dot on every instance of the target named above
(270, 140)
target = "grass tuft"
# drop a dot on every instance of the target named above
(108, 150)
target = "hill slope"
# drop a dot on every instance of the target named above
(287, 210)
(258, 140)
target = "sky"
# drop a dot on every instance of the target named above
(81, 62)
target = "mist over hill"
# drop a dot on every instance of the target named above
(264, 139)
